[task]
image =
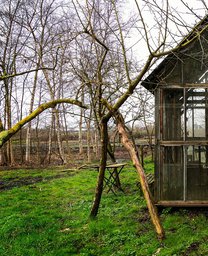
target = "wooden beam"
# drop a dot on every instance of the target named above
(199, 101)
(192, 93)
(184, 143)
(181, 203)
(181, 86)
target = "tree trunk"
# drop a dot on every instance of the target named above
(48, 157)
(28, 144)
(144, 185)
(29, 128)
(3, 156)
(88, 140)
(37, 143)
(101, 175)
(80, 135)
(8, 95)
(97, 151)
(10, 153)
(58, 134)
(81, 150)
(66, 133)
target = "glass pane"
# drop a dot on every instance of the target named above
(172, 174)
(195, 122)
(172, 115)
(197, 155)
(196, 102)
(197, 173)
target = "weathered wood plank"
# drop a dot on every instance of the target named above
(184, 143)
(181, 86)
(182, 203)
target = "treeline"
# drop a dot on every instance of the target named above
(44, 149)
(52, 50)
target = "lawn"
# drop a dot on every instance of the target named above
(45, 212)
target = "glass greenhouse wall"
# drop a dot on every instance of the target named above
(182, 144)
(180, 86)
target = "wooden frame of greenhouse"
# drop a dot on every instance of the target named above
(180, 86)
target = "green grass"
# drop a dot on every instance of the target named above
(51, 218)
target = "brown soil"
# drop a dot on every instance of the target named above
(192, 248)
(19, 182)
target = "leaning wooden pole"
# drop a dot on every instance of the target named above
(128, 144)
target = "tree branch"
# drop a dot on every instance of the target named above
(6, 76)
(7, 134)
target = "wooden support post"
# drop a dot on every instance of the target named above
(128, 144)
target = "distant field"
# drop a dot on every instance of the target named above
(45, 212)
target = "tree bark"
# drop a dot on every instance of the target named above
(80, 134)
(49, 153)
(8, 95)
(101, 175)
(88, 124)
(66, 133)
(97, 150)
(128, 144)
(81, 150)
(29, 128)
(28, 144)
(58, 134)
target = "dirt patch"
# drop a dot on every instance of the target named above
(143, 216)
(19, 182)
(192, 213)
(192, 248)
